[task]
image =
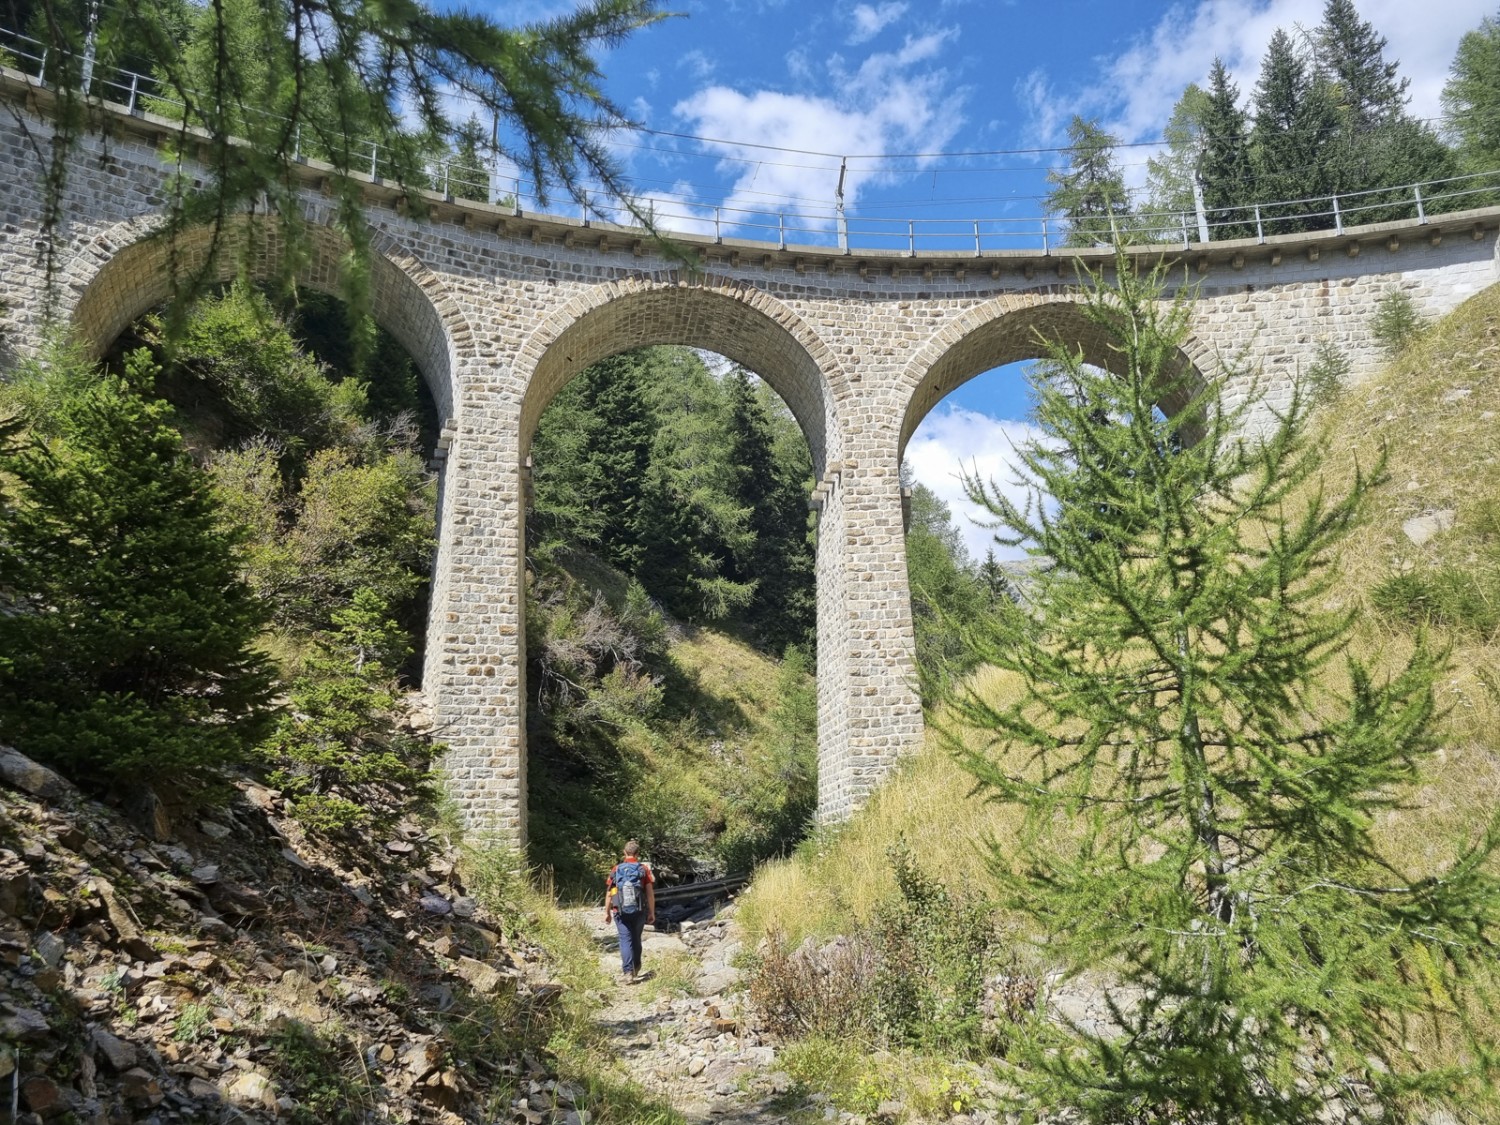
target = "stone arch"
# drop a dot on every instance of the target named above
(127, 270)
(1005, 330)
(737, 321)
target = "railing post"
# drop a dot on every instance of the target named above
(1260, 228)
(780, 230)
(1338, 218)
(718, 225)
(583, 205)
(911, 239)
(1182, 222)
(41, 67)
(374, 161)
(978, 249)
(1421, 212)
(515, 198)
(447, 190)
(297, 143)
(1046, 243)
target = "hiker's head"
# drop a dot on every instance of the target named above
(632, 849)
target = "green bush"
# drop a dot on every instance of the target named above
(936, 949)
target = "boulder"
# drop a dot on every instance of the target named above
(20, 772)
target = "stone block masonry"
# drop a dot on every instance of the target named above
(500, 311)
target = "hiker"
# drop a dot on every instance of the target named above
(630, 896)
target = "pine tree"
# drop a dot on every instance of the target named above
(1379, 144)
(779, 559)
(1367, 89)
(1294, 139)
(1199, 799)
(1471, 97)
(1091, 193)
(128, 632)
(1228, 178)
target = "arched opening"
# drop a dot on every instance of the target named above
(115, 287)
(969, 409)
(324, 466)
(670, 586)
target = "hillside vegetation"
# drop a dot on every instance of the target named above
(1435, 408)
(1419, 568)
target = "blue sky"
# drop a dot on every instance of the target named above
(909, 86)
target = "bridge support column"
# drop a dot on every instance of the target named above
(869, 710)
(475, 674)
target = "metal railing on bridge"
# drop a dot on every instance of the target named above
(792, 224)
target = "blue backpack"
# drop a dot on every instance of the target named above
(628, 888)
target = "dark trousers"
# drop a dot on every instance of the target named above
(630, 928)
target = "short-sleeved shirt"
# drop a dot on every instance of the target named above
(646, 876)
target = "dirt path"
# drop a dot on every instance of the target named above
(682, 1032)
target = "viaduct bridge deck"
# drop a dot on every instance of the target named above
(500, 310)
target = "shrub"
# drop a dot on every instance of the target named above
(813, 990)
(935, 951)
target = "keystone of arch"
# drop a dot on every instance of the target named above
(126, 270)
(1012, 327)
(718, 314)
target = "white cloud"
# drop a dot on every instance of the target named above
(1134, 91)
(891, 101)
(951, 441)
(871, 19)
(696, 63)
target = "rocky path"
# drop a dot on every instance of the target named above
(682, 1031)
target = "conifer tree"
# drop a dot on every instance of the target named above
(1368, 90)
(1471, 97)
(1379, 144)
(1199, 797)
(1090, 193)
(1228, 179)
(127, 631)
(1294, 137)
(1170, 174)
(329, 79)
(779, 558)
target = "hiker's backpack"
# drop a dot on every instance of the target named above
(628, 888)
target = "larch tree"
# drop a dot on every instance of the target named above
(1170, 174)
(1471, 97)
(256, 86)
(1090, 193)
(1199, 792)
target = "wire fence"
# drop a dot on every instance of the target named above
(485, 178)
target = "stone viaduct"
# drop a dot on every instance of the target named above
(500, 311)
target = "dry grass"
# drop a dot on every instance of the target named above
(1444, 453)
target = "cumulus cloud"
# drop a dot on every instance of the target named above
(952, 441)
(871, 19)
(890, 101)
